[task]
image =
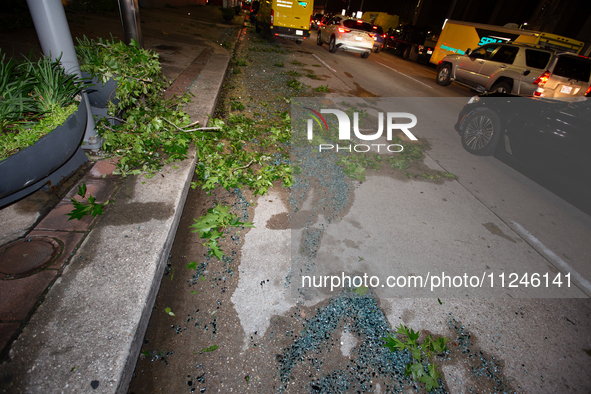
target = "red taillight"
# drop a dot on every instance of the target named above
(342, 30)
(588, 92)
(542, 79)
(372, 35)
(384, 35)
(272, 16)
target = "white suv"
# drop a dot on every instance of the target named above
(347, 34)
(519, 69)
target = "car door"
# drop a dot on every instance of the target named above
(469, 67)
(558, 139)
(499, 64)
(328, 27)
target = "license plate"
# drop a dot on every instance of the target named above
(299, 32)
(359, 38)
(429, 52)
(566, 89)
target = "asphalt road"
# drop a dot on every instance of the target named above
(551, 228)
(489, 221)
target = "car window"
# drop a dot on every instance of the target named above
(573, 68)
(505, 54)
(358, 24)
(483, 52)
(536, 59)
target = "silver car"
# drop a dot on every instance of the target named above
(347, 34)
(519, 69)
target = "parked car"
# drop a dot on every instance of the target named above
(315, 20)
(379, 39)
(546, 139)
(347, 34)
(406, 41)
(520, 69)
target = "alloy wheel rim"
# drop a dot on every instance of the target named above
(479, 132)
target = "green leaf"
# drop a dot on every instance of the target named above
(360, 290)
(169, 311)
(209, 349)
(416, 370)
(193, 292)
(192, 266)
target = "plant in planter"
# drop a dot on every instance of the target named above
(42, 122)
(150, 130)
(36, 97)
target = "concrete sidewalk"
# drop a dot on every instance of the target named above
(76, 324)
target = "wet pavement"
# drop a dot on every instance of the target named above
(235, 324)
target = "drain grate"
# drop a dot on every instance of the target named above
(27, 255)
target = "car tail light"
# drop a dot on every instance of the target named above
(343, 30)
(372, 35)
(384, 35)
(272, 16)
(588, 92)
(542, 79)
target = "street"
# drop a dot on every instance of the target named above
(246, 324)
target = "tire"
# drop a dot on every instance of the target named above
(406, 53)
(365, 55)
(318, 39)
(481, 132)
(444, 75)
(268, 34)
(501, 87)
(377, 49)
(332, 47)
(299, 42)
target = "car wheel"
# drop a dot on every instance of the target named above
(299, 42)
(406, 54)
(332, 47)
(481, 132)
(377, 49)
(444, 75)
(501, 87)
(318, 39)
(365, 55)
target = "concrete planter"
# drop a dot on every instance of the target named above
(99, 95)
(47, 162)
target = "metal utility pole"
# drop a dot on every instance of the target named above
(130, 19)
(54, 36)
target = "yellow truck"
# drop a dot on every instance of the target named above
(458, 36)
(285, 18)
(382, 19)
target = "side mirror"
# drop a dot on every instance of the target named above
(526, 73)
(468, 52)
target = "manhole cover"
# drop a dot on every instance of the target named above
(26, 255)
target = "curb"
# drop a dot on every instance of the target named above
(87, 333)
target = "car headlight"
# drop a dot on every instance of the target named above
(474, 99)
